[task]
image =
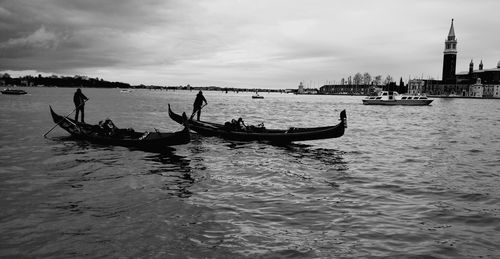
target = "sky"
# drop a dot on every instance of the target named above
(243, 43)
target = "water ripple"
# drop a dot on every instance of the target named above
(403, 182)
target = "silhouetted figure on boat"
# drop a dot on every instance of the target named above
(198, 102)
(238, 125)
(79, 99)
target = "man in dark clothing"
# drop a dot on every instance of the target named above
(198, 102)
(79, 99)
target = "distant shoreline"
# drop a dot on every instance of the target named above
(460, 97)
(173, 88)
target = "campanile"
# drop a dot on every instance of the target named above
(450, 57)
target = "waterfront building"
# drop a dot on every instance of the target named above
(301, 88)
(488, 91)
(496, 91)
(438, 88)
(347, 89)
(477, 89)
(488, 76)
(463, 83)
(416, 86)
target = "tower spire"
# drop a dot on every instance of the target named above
(450, 56)
(451, 34)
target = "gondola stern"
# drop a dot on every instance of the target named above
(343, 118)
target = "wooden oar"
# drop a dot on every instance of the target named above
(192, 115)
(57, 124)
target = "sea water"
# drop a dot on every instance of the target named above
(402, 182)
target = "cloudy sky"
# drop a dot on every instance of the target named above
(243, 43)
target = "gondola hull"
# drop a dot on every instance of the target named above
(270, 135)
(127, 138)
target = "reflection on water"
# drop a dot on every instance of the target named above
(71, 144)
(328, 157)
(175, 171)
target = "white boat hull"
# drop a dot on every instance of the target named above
(393, 98)
(398, 102)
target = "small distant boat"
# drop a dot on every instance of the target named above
(121, 137)
(126, 90)
(393, 98)
(13, 91)
(280, 136)
(257, 96)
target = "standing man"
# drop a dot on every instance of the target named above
(198, 102)
(79, 99)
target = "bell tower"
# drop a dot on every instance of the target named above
(450, 56)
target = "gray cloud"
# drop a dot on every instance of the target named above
(65, 35)
(40, 39)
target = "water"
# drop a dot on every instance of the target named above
(403, 182)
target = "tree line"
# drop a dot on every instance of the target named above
(367, 79)
(61, 81)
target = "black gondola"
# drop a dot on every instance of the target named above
(121, 137)
(263, 134)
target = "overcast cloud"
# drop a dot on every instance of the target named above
(243, 43)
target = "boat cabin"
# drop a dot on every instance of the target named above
(389, 94)
(394, 98)
(414, 98)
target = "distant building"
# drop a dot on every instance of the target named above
(301, 88)
(477, 89)
(438, 88)
(488, 76)
(416, 86)
(347, 89)
(473, 83)
(496, 91)
(481, 90)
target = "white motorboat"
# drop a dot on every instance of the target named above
(257, 96)
(394, 98)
